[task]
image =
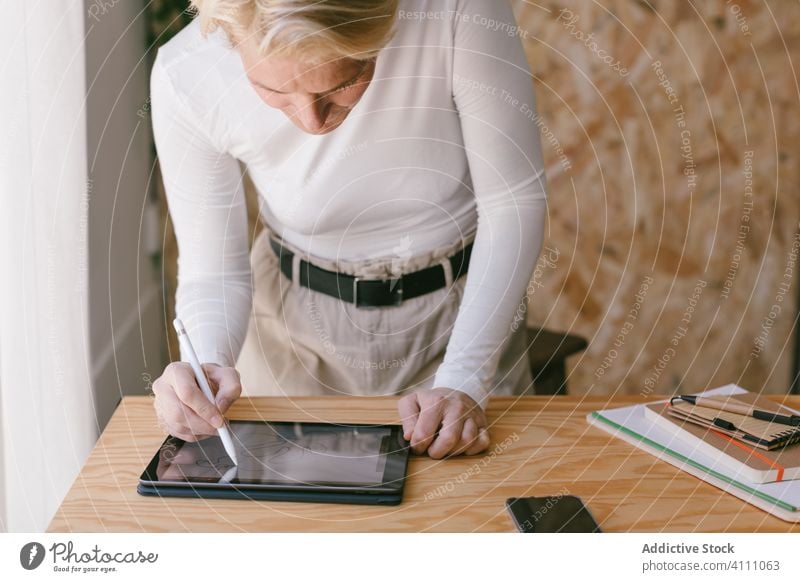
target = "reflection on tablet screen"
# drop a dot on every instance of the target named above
(281, 453)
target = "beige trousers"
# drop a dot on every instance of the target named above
(302, 342)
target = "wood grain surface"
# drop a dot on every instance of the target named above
(540, 446)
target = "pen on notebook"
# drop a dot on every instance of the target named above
(202, 381)
(743, 409)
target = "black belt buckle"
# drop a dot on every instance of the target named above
(394, 288)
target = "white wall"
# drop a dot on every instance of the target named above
(3, 518)
(48, 423)
(79, 307)
(127, 337)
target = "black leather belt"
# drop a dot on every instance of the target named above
(372, 292)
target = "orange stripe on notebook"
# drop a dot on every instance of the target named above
(753, 452)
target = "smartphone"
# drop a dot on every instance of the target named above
(554, 514)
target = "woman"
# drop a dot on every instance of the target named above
(402, 192)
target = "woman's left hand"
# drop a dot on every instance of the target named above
(443, 422)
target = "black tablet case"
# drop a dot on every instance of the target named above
(271, 495)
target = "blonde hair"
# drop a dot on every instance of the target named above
(314, 29)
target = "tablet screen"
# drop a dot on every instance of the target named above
(281, 453)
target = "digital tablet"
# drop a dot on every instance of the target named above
(283, 458)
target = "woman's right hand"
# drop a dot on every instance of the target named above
(182, 408)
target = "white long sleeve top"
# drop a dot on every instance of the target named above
(443, 145)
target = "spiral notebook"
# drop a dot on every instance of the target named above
(632, 424)
(752, 463)
(752, 431)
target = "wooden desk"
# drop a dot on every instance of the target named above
(549, 449)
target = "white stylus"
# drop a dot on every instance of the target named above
(202, 381)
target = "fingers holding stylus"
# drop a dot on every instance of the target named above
(225, 383)
(178, 419)
(180, 405)
(188, 392)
